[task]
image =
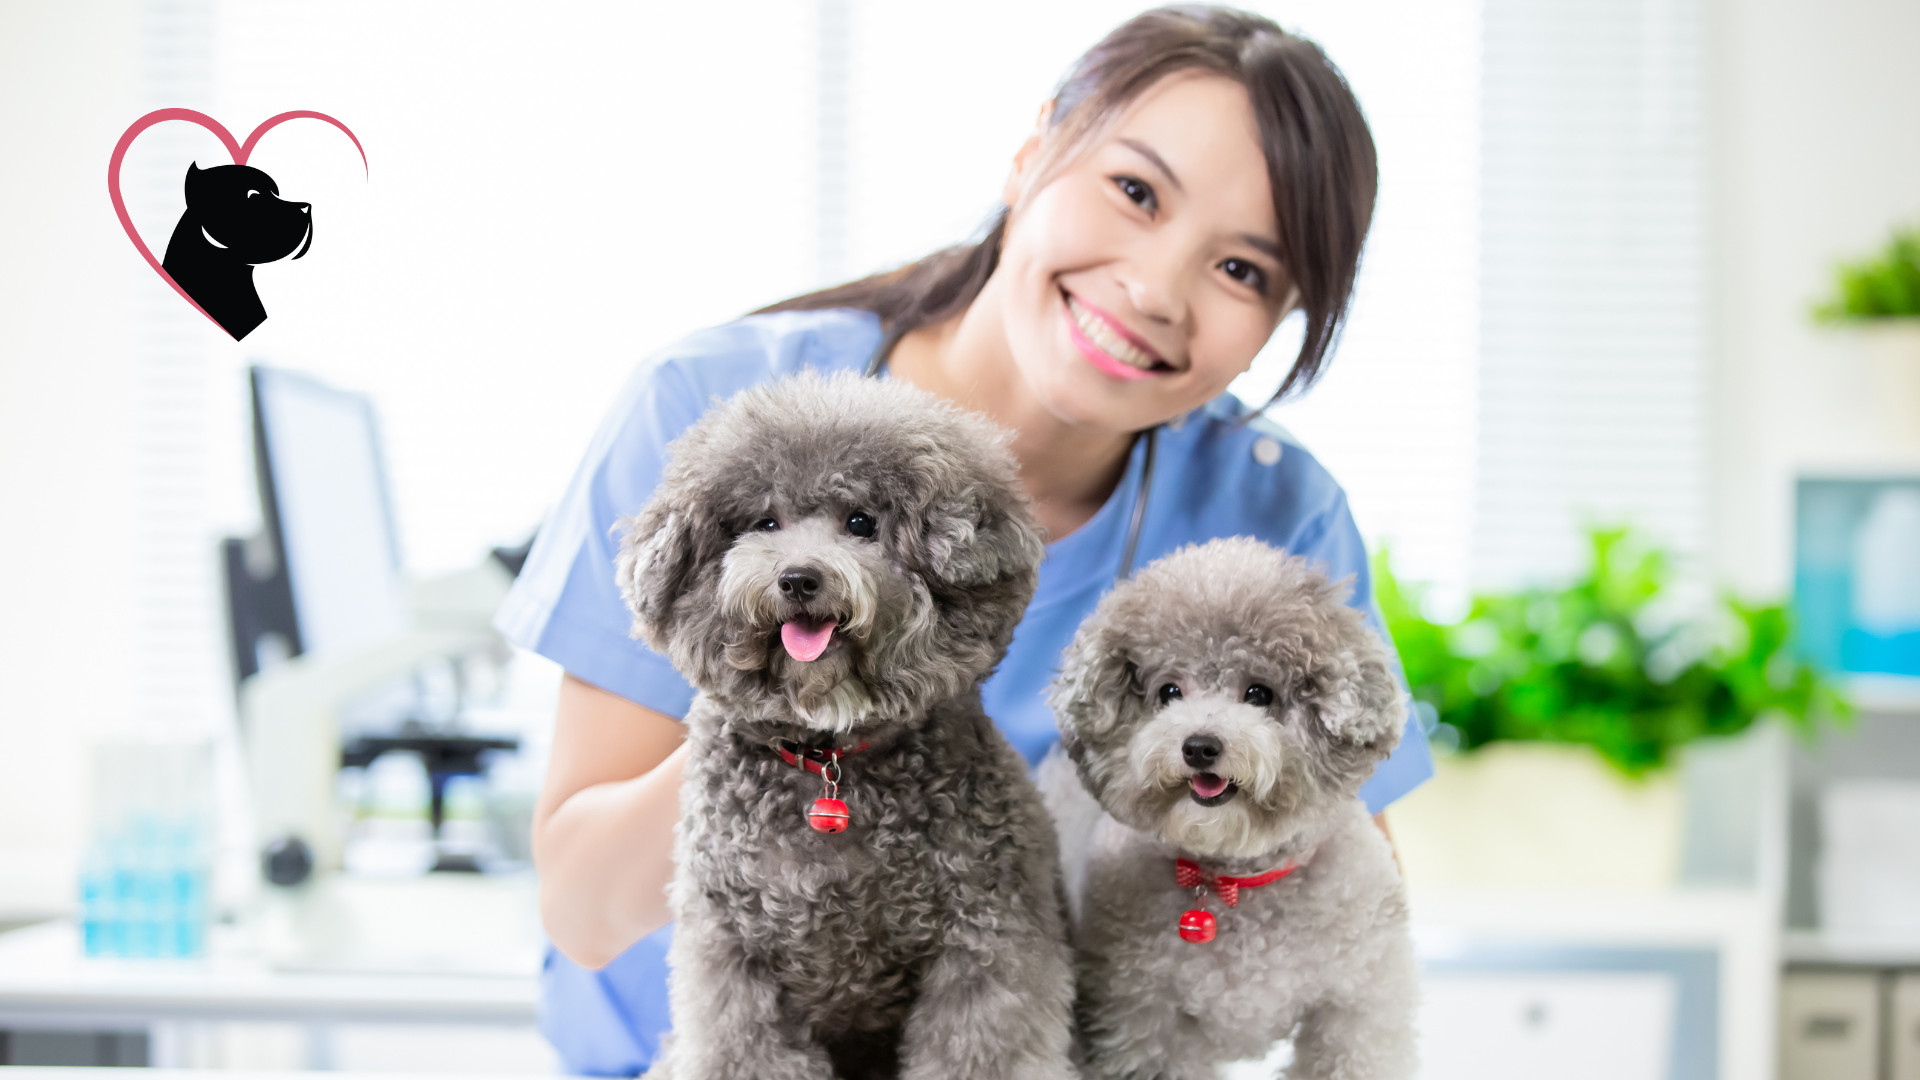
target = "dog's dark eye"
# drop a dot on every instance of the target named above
(1258, 695)
(1169, 692)
(251, 193)
(767, 525)
(860, 525)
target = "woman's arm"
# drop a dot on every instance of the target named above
(603, 828)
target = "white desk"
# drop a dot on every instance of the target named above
(45, 982)
(43, 1073)
(398, 961)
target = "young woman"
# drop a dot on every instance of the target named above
(1199, 175)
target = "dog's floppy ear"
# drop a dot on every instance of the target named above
(1354, 694)
(656, 555)
(1096, 686)
(967, 551)
(979, 527)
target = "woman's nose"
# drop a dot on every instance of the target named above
(1155, 292)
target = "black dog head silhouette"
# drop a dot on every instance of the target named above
(235, 220)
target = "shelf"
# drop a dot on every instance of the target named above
(1446, 919)
(1897, 694)
(1823, 948)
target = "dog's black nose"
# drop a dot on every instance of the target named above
(799, 583)
(1201, 751)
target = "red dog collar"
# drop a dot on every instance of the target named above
(814, 761)
(1198, 924)
(1188, 875)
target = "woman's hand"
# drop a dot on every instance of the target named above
(603, 828)
(1380, 822)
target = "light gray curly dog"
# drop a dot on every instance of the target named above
(1224, 707)
(836, 564)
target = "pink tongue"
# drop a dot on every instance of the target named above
(806, 641)
(1207, 785)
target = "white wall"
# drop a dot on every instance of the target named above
(1817, 154)
(66, 93)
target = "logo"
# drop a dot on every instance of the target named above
(235, 220)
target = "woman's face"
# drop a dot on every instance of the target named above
(1139, 278)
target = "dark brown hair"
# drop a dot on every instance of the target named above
(1320, 164)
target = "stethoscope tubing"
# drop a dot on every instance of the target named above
(1139, 518)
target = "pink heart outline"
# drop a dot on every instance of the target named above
(239, 151)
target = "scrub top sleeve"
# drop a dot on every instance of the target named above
(566, 605)
(1333, 539)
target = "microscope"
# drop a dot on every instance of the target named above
(322, 616)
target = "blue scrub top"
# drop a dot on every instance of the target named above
(1212, 477)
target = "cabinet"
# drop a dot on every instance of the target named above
(1829, 1026)
(1604, 1026)
(1903, 1023)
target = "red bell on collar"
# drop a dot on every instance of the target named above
(828, 813)
(1197, 926)
(828, 816)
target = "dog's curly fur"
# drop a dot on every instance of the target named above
(928, 939)
(1321, 955)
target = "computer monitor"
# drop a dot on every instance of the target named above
(325, 572)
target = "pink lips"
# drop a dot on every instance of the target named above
(1206, 785)
(806, 640)
(1095, 355)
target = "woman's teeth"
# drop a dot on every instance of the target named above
(1108, 339)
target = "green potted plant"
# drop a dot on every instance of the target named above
(1877, 299)
(1883, 286)
(1560, 714)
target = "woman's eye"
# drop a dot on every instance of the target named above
(1169, 692)
(860, 525)
(1246, 274)
(767, 525)
(1136, 190)
(1258, 695)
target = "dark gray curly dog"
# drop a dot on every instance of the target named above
(836, 564)
(1224, 707)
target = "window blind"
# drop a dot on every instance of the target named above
(1593, 257)
(178, 633)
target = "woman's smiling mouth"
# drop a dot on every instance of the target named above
(1106, 346)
